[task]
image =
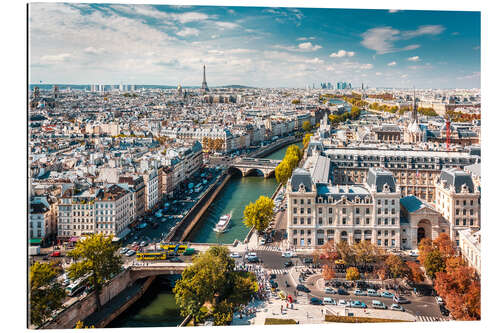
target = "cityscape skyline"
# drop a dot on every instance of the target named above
(252, 46)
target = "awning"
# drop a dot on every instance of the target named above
(35, 240)
(74, 239)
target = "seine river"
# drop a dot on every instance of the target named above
(157, 307)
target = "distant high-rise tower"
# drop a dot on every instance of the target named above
(56, 92)
(204, 85)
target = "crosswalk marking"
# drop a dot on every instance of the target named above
(278, 271)
(268, 248)
(429, 318)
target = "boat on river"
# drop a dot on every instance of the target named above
(223, 223)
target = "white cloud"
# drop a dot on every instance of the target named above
(306, 38)
(392, 63)
(393, 10)
(378, 73)
(474, 75)
(226, 25)
(414, 58)
(188, 32)
(93, 50)
(308, 46)
(315, 61)
(190, 17)
(342, 53)
(404, 76)
(56, 58)
(382, 39)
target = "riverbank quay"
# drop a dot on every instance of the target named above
(280, 143)
(180, 232)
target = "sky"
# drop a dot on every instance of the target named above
(252, 46)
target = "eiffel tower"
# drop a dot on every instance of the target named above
(204, 86)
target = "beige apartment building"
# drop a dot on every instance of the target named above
(470, 248)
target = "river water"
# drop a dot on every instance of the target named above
(157, 307)
(233, 198)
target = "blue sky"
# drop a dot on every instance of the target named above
(261, 47)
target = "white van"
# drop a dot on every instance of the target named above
(328, 300)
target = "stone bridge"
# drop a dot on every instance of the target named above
(140, 270)
(247, 165)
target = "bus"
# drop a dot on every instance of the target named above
(172, 248)
(151, 256)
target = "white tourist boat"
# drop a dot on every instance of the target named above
(223, 223)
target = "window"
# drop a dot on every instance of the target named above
(386, 202)
(357, 210)
(320, 210)
(393, 221)
(295, 241)
(367, 220)
(471, 221)
(320, 220)
(343, 220)
(294, 201)
(343, 210)
(393, 201)
(301, 210)
(379, 202)
(379, 211)
(295, 232)
(330, 210)
(301, 201)
(295, 220)
(357, 220)
(386, 242)
(379, 242)
(472, 202)
(295, 210)
(393, 233)
(464, 211)
(457, 211)
(367, 211)
(308, 220)
(457, 222)
(472, 212)
(465, 221)
(386, 211)
(379, 232)
(301, 232)
(308, 210)
(393, 242)
(379, 221)
(386, 221)
(320, 241)
(393, 211)
(330, 220)
(308, 201)
(301, 220)
(308, 232)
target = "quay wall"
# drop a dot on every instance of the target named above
(274, 146)
(85, 306)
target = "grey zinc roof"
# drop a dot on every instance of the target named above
(321, 171)
(379, 177)
(474, 169)
(301, 176)
(337, 192)
(456, 177)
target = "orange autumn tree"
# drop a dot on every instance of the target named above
(445, 246)
(461, 290)
(416, 275)
(328, 273)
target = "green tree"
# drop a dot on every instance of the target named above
(211, 287)
(95, 255)
(45, 295)
(352, 274)
(258, 214)
(345, 252)
(434, 262)
(306, 126)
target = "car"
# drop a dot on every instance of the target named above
(315, 301)
(273, 284)
(414, 254)
(288, 254)
(289, 263)
(124, 250)
(376, 304)
(301, 287)
(372, 292)
(66, 282)
(342, 292)
(444, 311)
(397, 307)
(387, 294)
(262, 241)
(135, 243)
(329, 290)
(328, 300)
(308, 261)
(400, 299)
(439, 300)
(253, 259)
(342, 302)
(130, 253)
(235, 255)
(55, 254)
(251, 254)
(357, 304)
(175, 259)
(359, 292)
(272, 276)
(143, 243)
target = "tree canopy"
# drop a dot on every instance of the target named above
(258, 214)
(211, 287)
(306, 126)
(96, 254)
(291, 160)
(45, 294)
(352, 274)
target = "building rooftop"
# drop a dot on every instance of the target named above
(379, 177)
(457, 178)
